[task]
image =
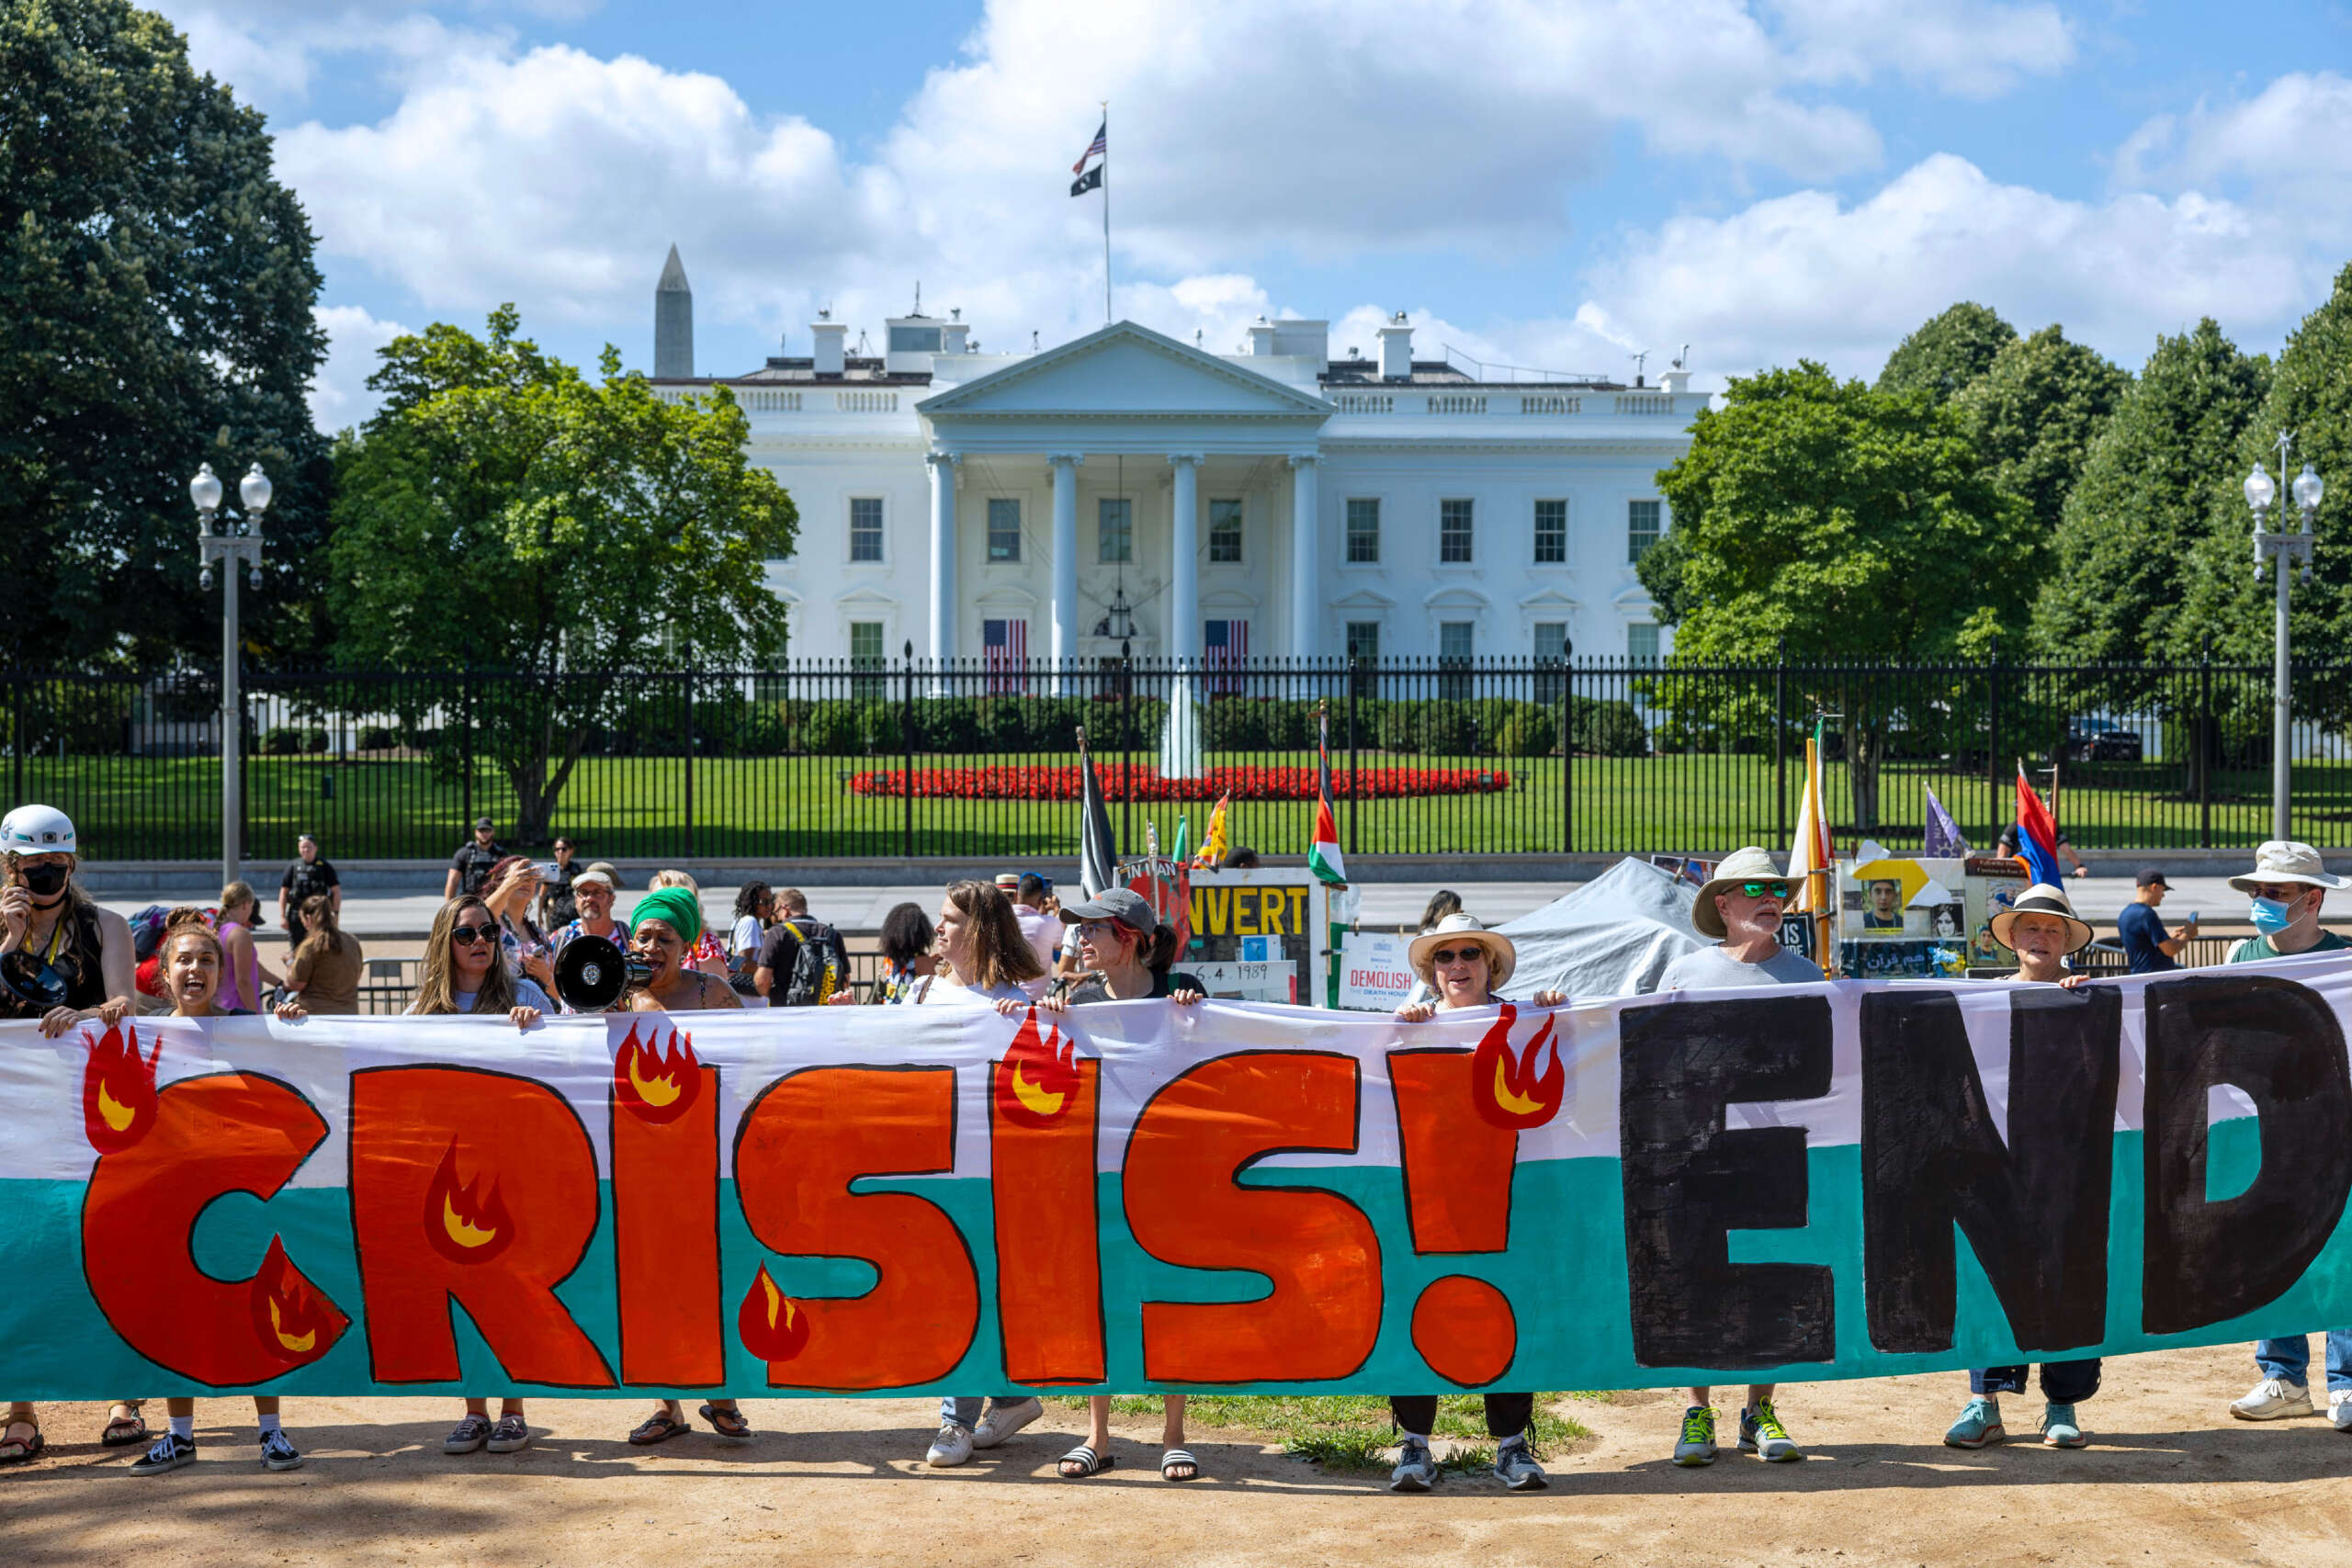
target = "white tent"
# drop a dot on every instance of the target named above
(1612, 937)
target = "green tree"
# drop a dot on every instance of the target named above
(1948, 353)
(2035, 412)
(1847, 522)
(503, 512)
(155, 294)
(2146, 499)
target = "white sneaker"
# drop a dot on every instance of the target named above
(1002, 1420)
(951, 1447)
(2270, 1399)
(2339, 1409)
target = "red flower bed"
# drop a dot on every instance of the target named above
(1122, 782)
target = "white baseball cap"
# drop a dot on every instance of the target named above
(37, 831)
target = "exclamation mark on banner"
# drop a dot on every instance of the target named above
(1459, 1114)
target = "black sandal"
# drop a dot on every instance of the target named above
(1174, 1458)
(1089, 1462)
(659, 1428)
(727, 1424)
(124, 1430)
(25, 1451)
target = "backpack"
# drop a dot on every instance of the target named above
(815, 966)
(147, 932)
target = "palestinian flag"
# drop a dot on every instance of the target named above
(1098, 856)
(1323, 854)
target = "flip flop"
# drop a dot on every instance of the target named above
(1175, 1457)
(727, 1424)
(1089, 1461)
(660, 1427)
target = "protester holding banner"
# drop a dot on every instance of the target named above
(2043, 929)
(195, 959)
(985, 958)
(1740, 907)
(62, 959)
(2287, 884)
(1464, 964)
(709, 953)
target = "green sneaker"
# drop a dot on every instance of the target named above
(2058, 1428)
(1979, 1423)
(1698, 1444)
(1761, 1434)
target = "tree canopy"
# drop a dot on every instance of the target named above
(156, 288)
(1946, 353)
(2146, 499)
(2034, 414)
(501, 510)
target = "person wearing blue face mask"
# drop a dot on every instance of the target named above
(2287, 883)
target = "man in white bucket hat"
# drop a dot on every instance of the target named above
(1740, 907)
(2288, 882)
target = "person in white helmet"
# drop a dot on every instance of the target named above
(62, 959)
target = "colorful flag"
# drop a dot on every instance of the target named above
(1811, 852)
(1098, 856)
(1213, 840)
(1183, 838)
(1943, 840)
(2037, 835)
(1323, 854)
(1099, 148)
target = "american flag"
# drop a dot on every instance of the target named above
(1225, 647)
(1099, 147)
(1005, 646)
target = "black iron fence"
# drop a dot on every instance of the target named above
(1428, 758)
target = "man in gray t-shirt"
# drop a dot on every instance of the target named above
(1740, 906)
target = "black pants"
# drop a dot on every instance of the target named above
(1507, 1414)
(2062, 1383)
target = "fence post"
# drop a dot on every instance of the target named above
(466, 745)
(17, 682)
(686, 736)
(2203, 756)
(1567, 746)
(1993, 740)
(907, 741)
(1352, 791)
(1127, 744)
(1780, 743)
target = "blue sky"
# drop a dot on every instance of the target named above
(1547, 184)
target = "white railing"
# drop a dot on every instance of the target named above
(1365, 403)
(866, 402)
(769, 401)
(1551, 402)
(1646, 402)
(1457, 402)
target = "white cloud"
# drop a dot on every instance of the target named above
(1972, 50)
(339, 394)
(2293, 138)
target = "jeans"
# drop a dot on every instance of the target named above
(2290, 1360)
(1508, 1414)
(2062, 1383)
(964, 1409)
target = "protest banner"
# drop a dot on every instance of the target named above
(1795, 1182)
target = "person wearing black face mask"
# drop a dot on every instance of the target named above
(63, 960)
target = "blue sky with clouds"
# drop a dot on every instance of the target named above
(1554, 185)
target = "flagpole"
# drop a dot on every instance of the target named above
(1106, 212)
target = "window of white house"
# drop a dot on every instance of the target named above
(1551, 533)
(1364, 640)
(914, 340)
(1004, 529)
(1454, 531)
(1550, 638)
(1115, 531)
(1224, 533)
(1453, 639)
(1363, 529)
(1640, 643)
(866, 528)
(1641, 528)
(865, 645)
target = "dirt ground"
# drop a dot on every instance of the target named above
(2169, 1480)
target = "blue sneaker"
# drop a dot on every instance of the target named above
(2058, 1428)
(1415, 1471)
(1979, 1423)
(1516, 1469)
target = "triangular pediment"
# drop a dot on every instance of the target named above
(1123, 368)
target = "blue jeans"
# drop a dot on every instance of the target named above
(964, 1409)
(2062, 1383)
(2290, 1360)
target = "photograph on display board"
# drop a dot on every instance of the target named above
(1901, 917)
(1994, 883)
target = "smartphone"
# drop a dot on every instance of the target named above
(547, 870)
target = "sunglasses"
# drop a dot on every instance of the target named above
(1765, 889)
(1457, 954)
(469, 935)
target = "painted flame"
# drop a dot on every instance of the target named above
(1517, 1089)
(464, 1224)
(291, 1319)
(657, 1085)
(1038, 1075)
(119, 1090)
(771, 1324)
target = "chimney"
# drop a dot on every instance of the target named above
(1396, 349)
(673, 321)
(953, 337)
(1261, 338)
(1675, 381)
(832, 336)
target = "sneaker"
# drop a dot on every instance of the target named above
(2339, 1409)
(170, 1452)
(1002, 1420)
(467, 1436)
(1761, 1434)
(2058, 1428)
(951, 1447)
(2270, 1399)
(1415, 1471)
(278, 1453)
(1698, 1443)
(1979, 1423)
(1516, 1469)
(512, 1435)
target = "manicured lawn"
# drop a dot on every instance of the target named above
(786, 806)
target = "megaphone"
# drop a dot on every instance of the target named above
(592, 973)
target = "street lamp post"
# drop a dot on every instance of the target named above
(2283, 549)
(236, 540)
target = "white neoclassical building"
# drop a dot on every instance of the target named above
(1128, 488)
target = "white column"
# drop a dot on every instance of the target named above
(943, 475)
(1306, 570)
(1185, 574)
(1065, 468)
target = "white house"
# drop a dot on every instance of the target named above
(1128, 488)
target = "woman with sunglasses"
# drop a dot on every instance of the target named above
(194, 959)
(1464, 964)
(463, 971)
(1740, 907)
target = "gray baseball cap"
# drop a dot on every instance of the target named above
(1124, 905)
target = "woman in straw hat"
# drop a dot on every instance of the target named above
(2043, 931)
(1464, 964)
